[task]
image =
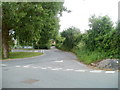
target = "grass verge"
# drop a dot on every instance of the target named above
(16, 55)
(86, 56)
(89, 57)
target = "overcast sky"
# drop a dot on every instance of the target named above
(83, 9)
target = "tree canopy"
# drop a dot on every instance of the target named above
(32, 22)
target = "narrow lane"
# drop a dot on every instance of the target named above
(55, 69)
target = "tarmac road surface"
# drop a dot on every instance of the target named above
(54, 69)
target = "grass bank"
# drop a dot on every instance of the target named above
(89, 57)
(17, 55)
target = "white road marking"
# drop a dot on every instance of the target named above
(68, 69)
(43, 68)
(59, 61)
(110, 72)
(3, 65)
(80, 70)
(96, 71)
(18, 66)
(55, 69)
(27, 66)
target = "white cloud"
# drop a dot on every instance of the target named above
(83, 9)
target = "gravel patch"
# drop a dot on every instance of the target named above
(109, 64)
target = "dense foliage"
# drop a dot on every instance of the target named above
(72, 37)
(101, 41)
(102, 36)
(100, 27)
(30, 23)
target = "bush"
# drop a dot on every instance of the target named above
(72, 37)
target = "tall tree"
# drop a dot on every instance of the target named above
(28, 20)
(51, 26)
(99, 28)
